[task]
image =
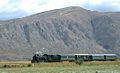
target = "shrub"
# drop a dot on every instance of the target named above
(79, 62)
(6, 66)
(29, 65)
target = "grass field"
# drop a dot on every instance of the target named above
(63, 67)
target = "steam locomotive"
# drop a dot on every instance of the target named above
(72, 57)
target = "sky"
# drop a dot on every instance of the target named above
(10, 9)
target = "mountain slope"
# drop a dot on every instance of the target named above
(67, 30)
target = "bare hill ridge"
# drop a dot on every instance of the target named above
(66, 30)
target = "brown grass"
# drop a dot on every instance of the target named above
(102, 62)
(15, 62)
(11, 64)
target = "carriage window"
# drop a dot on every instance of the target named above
(71, 56)
(64, 56)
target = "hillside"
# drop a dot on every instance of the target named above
(66, 30)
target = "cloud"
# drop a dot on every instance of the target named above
(20, 8)
(9, 9)
(14, 14)
(103, 5)
(8, 5)
(35, 6)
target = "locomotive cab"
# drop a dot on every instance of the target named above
(38, 57)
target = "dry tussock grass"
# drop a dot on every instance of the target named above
(11, 64)
(102, 62)
(28, 64)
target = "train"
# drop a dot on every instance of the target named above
(72, 57)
